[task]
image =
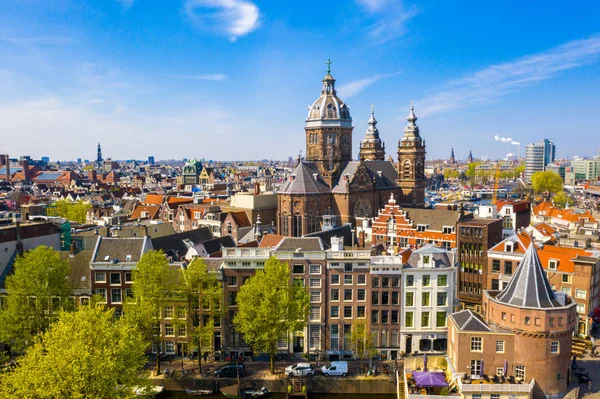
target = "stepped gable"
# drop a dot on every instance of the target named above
(529, 286)
(305, 179)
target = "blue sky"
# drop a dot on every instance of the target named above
(232, 79)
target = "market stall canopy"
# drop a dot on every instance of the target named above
(429, 379)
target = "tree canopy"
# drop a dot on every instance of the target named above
(86, 354)
(37, 290)
(73, 211)
(547, 182)
(154, 286)
(361, 339)
(270, 307)
(203, 294)
(562, 200)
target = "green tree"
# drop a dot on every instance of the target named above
(361, 340)
(519, 170)
(36, 291)
(203, 294)
(85, 355)
(562, 200)
(154, 286)
(270, 306)
(546, 183)
(73, 211)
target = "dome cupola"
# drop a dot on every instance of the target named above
(328, 110)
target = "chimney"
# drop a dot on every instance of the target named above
(316, 176)
(26, 174)
(256, 188)
(72, 248)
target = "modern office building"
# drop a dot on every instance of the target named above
(537, 156)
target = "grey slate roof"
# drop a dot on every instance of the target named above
(175, 245)
(439, 256)
(306, 180)
(117, 248)
(79, 269)
(300, 243)
(344, 231)
(529, 286)
(216, 244)
(466, 320)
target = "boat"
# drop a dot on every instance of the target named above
(198, 392)
(145, 391)
(235, 392)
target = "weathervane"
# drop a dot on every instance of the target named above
(328, 66)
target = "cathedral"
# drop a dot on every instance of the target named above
(329, 189)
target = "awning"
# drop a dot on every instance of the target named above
(429, 379)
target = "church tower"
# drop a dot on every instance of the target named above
(470, 157)
(372, 148)
(452, 159)
(411, 164)
(329, 132)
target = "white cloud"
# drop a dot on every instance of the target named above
(353, 88)
(390, 16)
(216, 77)
(495, 81)
(233, 17)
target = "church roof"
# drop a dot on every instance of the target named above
(383, 173)
(328, 110)
(529, 286)
(305, 179)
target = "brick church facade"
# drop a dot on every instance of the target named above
(329, 189)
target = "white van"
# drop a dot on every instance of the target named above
(335, 368)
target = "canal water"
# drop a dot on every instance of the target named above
(182, 395)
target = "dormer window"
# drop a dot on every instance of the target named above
(128, 257)
(509, 247)
(421, 227)
(426, 260)
(447, 230)
(553, 264)
(107, 257)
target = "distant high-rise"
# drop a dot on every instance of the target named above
(99, 156)
(151, 160)
(537, 156)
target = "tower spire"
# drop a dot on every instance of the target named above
(372, 148)
(328, 63)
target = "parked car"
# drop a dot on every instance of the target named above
(299, 369)
(229, 370)
(335, 368)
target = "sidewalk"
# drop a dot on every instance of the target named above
(591, 366)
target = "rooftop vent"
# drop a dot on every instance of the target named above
(107, 257)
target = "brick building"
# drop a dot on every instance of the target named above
(573, 271)
(524, 333)
(474, 238)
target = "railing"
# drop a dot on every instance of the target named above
(496, 388)
(348, 254)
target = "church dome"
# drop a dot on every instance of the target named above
(328, 110)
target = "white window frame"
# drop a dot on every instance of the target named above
(314, 282)
(314, 269)
(97, 274)
(315, 313)
(552, 264)
(580, 294)
(499, 346)
(170, 333)
(315, 296)
(476, 342)
(113, 291)
(581, 308)
(520, 372)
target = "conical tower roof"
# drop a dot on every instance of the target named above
(529, 286)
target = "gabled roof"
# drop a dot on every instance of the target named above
(529, 286)
(154, 199)
(300, 244)
(522, 239)
(344, 232)
(270, 240)
(111, 249)
(466, 320)
(240, 218)
(306, 179)
(177, 242)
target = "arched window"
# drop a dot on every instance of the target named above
(406, 169)
(297, 225)
(285, 225)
